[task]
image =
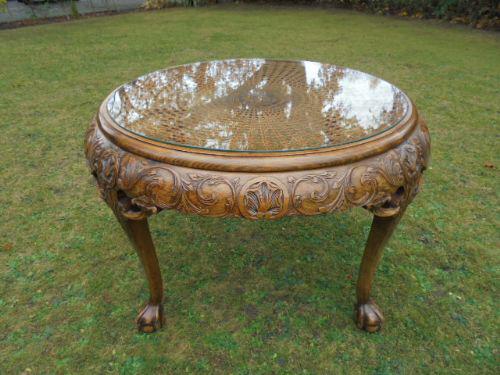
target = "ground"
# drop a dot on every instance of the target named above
(245, 297)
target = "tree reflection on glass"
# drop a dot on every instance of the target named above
(257, 105)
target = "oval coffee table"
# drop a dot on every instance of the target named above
(259, 139)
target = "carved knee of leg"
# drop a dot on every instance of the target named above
(392, 206)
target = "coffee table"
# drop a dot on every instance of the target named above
(259, 139)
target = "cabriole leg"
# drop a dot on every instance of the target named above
(150, 318)
(367, 314)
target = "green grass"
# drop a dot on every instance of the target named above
(244, 297)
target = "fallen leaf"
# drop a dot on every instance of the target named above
(8, 246)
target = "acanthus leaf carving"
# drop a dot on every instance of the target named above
(136, 187)
(315, 193)
(208, 195)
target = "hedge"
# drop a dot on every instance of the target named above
(479, 13)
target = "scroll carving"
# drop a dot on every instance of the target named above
(136, 187)
(208, 195)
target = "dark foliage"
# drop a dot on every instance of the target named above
(479, 13)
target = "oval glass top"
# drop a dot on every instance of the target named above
(258, 105)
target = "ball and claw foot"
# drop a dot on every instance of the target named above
(150, 319)
(369, 317)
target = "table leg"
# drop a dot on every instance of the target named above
(150, 318)
(367, 314)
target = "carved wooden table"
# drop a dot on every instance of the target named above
(259, 139)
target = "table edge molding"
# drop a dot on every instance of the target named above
(232, 161)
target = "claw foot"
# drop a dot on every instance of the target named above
(150, 319)
(369, 317)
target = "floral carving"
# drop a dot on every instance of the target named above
(135, 187)
(263, 198)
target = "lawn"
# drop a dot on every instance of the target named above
(245, 297)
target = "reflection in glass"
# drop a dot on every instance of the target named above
(257, 105)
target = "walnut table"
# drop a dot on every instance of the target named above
(258, 139)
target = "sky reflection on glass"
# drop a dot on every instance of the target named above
(257, 105)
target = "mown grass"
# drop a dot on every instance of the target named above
(244, 297)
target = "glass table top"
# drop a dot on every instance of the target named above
(257, 105)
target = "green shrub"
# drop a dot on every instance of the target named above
(481, 13)
(74, 9)
(159, 4)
